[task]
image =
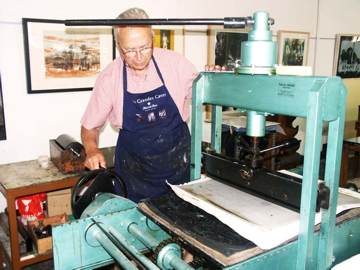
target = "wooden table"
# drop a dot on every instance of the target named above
(349, 145)
(22, 179)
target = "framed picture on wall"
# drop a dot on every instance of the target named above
(293, 48)
(60, 58)
(169, 38)
(224, 46)
(347, 56)
(2, 115)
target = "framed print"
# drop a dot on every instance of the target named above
(2, 116)
(293, 48)
(169, 38)
(60, 58)
(347, 56)
(224, 46)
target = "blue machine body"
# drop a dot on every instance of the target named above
(76, 247)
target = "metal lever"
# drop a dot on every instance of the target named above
(227, 22)
(76, 153)
(291, 142)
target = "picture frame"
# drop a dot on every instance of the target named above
(224, 46)
(169, 37)
(63, 59)
(347, 56)
(293, 48)
(2, 115)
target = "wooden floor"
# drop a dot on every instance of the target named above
(48, 265)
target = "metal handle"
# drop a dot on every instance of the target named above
(227, 22)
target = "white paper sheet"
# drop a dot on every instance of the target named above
(264, 223)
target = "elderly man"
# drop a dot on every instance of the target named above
(145, 93)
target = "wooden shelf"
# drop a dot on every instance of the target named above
(23, 179)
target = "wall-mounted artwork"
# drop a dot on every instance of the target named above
(347, 56)
(2, 116)
(224, 47)
(169, 38)
(293, 48)
(60, 58)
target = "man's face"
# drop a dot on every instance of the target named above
(135, 46)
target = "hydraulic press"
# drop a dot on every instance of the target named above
(113, 228)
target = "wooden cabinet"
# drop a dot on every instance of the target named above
(22, 179)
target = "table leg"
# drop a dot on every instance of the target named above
(2, 257)
(14, 240)
(356, 163)
(344, 167)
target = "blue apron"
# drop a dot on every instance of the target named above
(154, 143)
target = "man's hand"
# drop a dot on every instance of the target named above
(95, 160)
(215, 68)
(94, 157)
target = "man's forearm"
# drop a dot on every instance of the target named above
(90, 139)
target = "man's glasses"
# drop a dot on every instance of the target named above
(132, 52)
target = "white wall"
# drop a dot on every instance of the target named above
(31, 120)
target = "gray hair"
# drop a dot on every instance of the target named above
(131, 13)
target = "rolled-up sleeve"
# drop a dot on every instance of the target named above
(100, 104)
(187, 75)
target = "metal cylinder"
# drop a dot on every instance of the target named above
(133, 250)
(255, 124)
(170, 258)
(261, 29)
(112, 249)
(143, 236)
(258, 54)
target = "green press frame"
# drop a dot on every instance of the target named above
(319, 100)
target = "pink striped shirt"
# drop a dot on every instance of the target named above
(106, 101)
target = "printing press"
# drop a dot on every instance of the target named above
(155, 233)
